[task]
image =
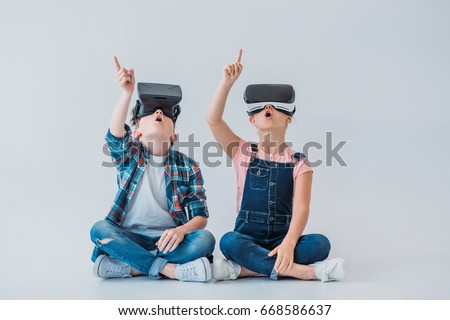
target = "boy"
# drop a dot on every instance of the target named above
(155, 226)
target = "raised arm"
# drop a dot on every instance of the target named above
(227, 139)
(126, 80)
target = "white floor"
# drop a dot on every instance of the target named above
(368, 280)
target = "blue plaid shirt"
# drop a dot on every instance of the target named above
(184, 183)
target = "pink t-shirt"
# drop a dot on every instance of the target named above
(241, 161)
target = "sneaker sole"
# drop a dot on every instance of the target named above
(97, 263)
(215, 272)
(206, 264)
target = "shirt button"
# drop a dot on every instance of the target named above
(271, 184)
(258, 173)
(271, 202)
(271, 219)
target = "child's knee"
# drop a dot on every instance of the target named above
(228, 241)
(209, 239)
(204, 241)
(323, 245)
(101, 232)
(207, 236)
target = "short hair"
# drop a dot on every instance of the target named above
(134, 120)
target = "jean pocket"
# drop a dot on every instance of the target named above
(259, 178)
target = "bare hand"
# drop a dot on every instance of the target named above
(231, 72)
(285, 257)
(170, 240)
(125, 77)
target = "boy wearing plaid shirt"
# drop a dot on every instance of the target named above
(156, 224)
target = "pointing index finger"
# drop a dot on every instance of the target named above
(116, 62)
(239, 56)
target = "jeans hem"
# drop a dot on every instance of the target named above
(273, 275)
(156, 267)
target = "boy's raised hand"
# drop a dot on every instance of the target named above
(231, 72)
(124, 77)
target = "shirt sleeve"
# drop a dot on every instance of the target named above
(120, 148)
(302, 167)
(196, 197)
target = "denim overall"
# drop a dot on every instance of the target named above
(264, 219)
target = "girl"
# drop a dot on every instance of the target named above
(273, 192)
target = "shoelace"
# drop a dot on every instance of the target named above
(118, 269)
(188, 271)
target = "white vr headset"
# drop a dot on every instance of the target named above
(280, 96)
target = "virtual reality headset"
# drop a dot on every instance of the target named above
(154, 96)
(281, 96)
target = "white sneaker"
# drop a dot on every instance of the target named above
(225, 269)
(331, 269)
(107, 267)
(196, 271)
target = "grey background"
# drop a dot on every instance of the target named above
(375, 73)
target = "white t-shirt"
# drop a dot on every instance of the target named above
(147, 211)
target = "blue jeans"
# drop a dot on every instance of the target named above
(256, 234)
(134, 249)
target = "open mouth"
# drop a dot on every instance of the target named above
(158, 118)
(268, 114)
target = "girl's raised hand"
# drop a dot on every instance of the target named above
(231, 72)
(124, 77)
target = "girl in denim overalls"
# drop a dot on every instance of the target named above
(274, 189)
